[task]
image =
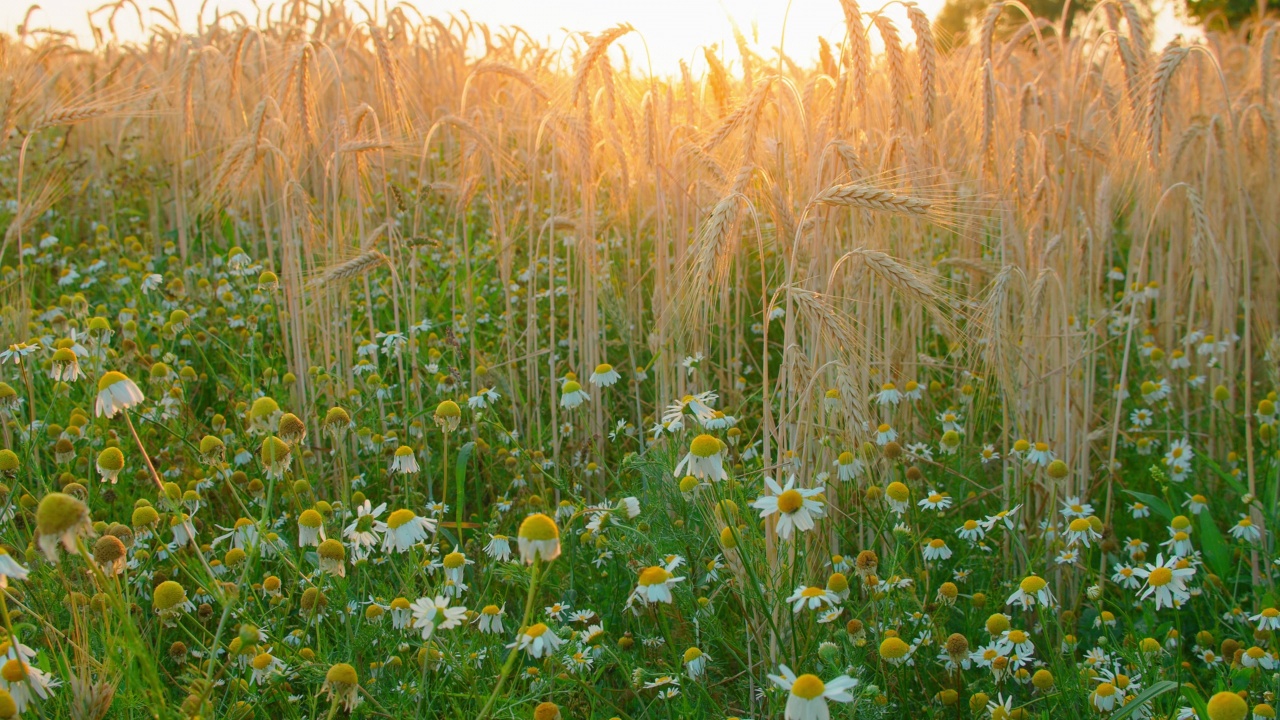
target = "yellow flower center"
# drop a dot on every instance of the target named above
(539, 527)
(1160, 576)
(1032, 584)
(704, 446)
(399, 518)
(808, 687)
(654, 576)
(790, 501)
(536, 631)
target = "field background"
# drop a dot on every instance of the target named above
(380, 213)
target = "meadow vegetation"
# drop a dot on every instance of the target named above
(393, 366)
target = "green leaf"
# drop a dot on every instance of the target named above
(1230, 479)
(1145, 697)
(1190, 695)
(1215, 548)
(1153, 502)
(460, 476)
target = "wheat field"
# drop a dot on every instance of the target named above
(385, 365)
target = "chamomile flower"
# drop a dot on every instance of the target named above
(403, 461)
(431, 614)
(848, 467)
(538, 538)
(812, 597)
(809, 694)
(538, 640)
(888, 395)
(404, 530)
(498, 548)
(935, 549)
(654, 586)
(1245, 531)
(935, 501)
(695, 663)
(61, 520)
(1031, 591)
(490, 619)
(704, 459)
(116, 392)
(572, 395)
(796, 507)
(1166, 581)
(1080, 532)
(604, 376)
(1268, 619)
(342, 683)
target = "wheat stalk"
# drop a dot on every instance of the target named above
(346, 270)
(869, 198)
(927, 56)
(1157, 94)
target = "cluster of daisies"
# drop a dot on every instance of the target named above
(187, 526)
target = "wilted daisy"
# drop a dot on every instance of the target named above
(490, 619)
(809, 695)
(935, 549)
(796, 507)
(604, 375)
(332, 557)
(538, 537)
(1268, 619)
(538, 640)
(276, 456)
(265, 666)
(1040, 455)
(169, 600)
(65, 366)
(116, 392)
(888, 395)
(61, 519)
(654, 586)
(971, 530)
(1032, 590)
(343, 684)
(404, 530)
(703, 459)
(848, 467)
(885, 434)
(1245, 531)
(498, 548)
(448, 415)
(310, 528)
(898, 495)
(572, 395)
(403, 461)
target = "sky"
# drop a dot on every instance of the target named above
(667, 30)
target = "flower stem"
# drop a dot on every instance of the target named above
(515, 648)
